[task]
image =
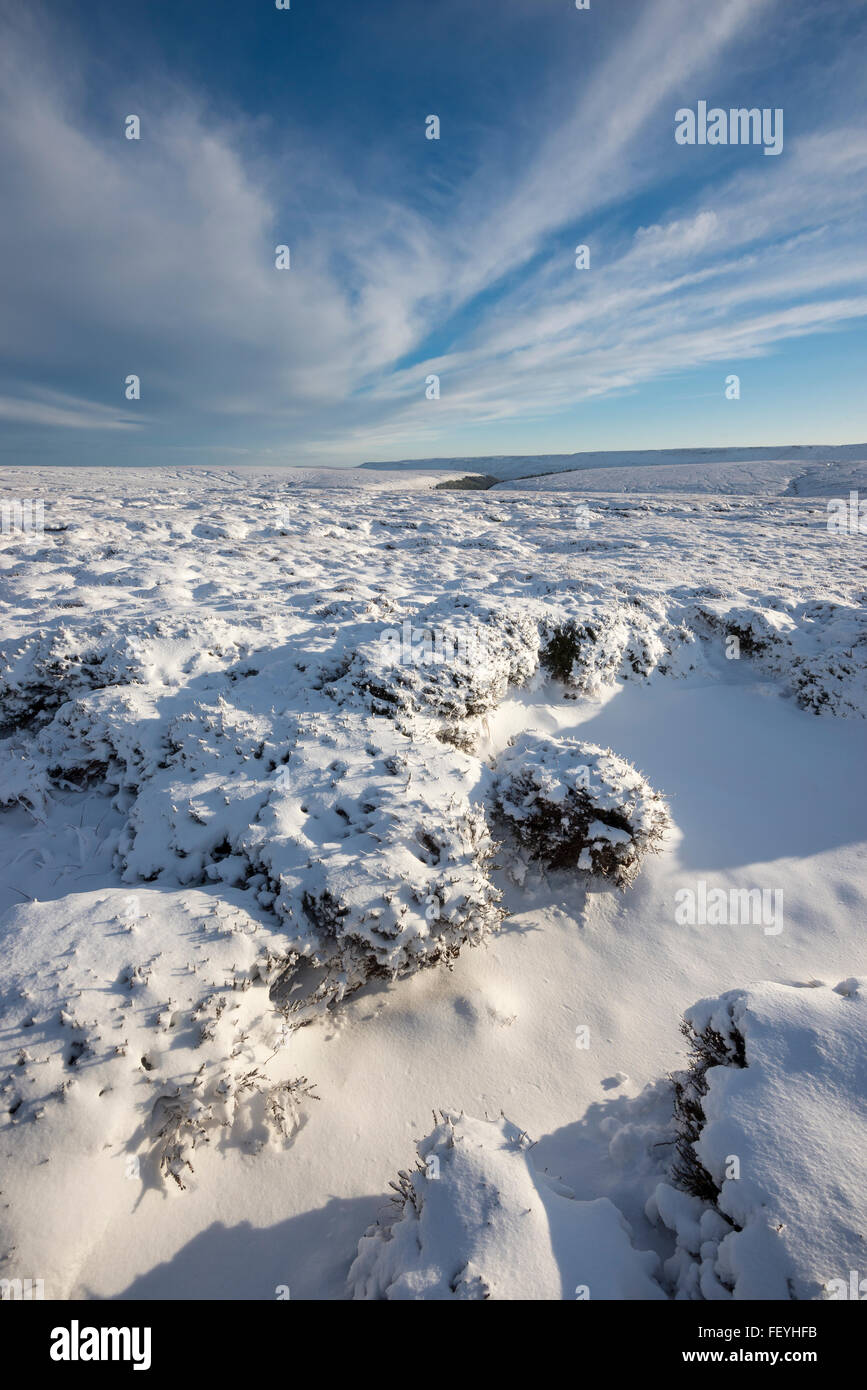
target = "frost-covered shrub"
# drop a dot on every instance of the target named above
(708, 1048)
(757, 633)
(451, 665)
(199, 793)
(768, 1190)
(95, 704)
(475, 1220)
(358, 837)
(376, 860)
(25, 781)
(43, 671)
(188, 1117)
(193, 772)
(604, 642)
(832, 679)
(571, 805)
(564, 646)
(816, 650)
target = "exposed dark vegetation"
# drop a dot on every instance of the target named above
(563, 647)
(708, 1048)
(572, 805)
(470, 482)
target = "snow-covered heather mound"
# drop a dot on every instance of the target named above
(571, 804)
(698, 467)
(602, 642)
(43, 671)
(817, 651)
(375, 858)
(776, 1102)
(448, 664)
(360, 837)
(135, 1028)
(475, 1220)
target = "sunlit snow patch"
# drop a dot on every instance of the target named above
(476, 1220)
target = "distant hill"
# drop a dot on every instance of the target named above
(764, 478)
(512, 467)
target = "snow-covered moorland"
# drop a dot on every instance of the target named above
(319, 791)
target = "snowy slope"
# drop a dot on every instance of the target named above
(777, 1085)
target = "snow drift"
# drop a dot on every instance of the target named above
(773, 1113)
(476, 1220)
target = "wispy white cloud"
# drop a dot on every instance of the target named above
(157, 257)
(60, 411)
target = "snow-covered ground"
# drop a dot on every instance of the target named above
(237, 802)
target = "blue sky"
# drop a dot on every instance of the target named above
(413, 257)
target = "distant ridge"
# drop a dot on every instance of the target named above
(512, 466)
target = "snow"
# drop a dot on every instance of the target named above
(765, 477)
(789, 1218)
(800, 469)
(476, 1220)
(240, 796)
(139, 997)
